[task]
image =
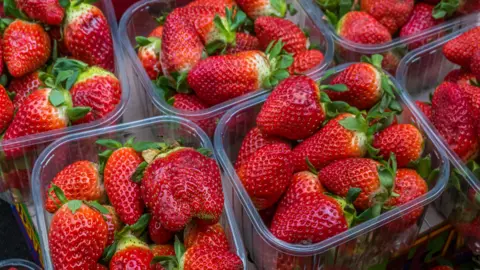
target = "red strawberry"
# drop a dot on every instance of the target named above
(206, 235)
(47, 11)
(191, 103)
(332, 142)
(470, 228)
(393, 14)
(78, 181)
(461, 49)
(475, 64)
(442, 267)
(403, 140)
(88, 37)
(157, 32)
(391, 61)
(113, 223)
(468, 6)
(420, 20)
(253, 141)
(304, 203)
(77, 236)
(426, 108)
(149, 56)
(98, 89)
(451, 116)
(26, 47)
(409, 185)
(257, 8)
(158, 233)
(100, 267)
(214, 3)
(244, 42)
(361, 27)
(472, 94)
(23, 86)
(267, 214)
(305, 61)
(6, 109)
(266, 174)
(163, 250)
(131, 253)
(56, 35)
(202, 257)
(269, 29)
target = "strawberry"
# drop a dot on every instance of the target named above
(163, 250)
(461, 49)
(451, 116)
(77, 236)
(192, 103)
(149, 55)
(124, 194)
(206, 235)
(305, 61)
(244, 42)
(222, 4)
(88, 37)
(6, 109)
(442, 267)
(257, 8)
(131, 253)
(56, 35)
(304, 203)
(267, 214)
(47, 11)
(332, 142)
(157, 32)
(409, 185)
(270, 29)
(26, 47)
(403, 140)
(393, 14)
(361, 27)
(209, 257)
(23, 86)
(79, 181)
(471, 92)
(1, 55)
(468, 6)
(420, 20)
(475, 64)
(113, 223)
(99, 267)
(426, 108)
(158, 233)
(266, 174)
(470, 228)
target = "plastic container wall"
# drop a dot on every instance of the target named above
(358, 248)
(15, 174)
(18, 264)
(348, 51)
(139, 20)
(460, 204)
(82, 147)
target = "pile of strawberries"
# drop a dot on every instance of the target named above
(212, 51)
(151, 193)
(324, 158)
(41, 91)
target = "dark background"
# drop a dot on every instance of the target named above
(12, 242)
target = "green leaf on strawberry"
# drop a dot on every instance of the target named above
(445, 8)
(137, 176)
(112, 144)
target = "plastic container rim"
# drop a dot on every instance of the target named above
(19, 263)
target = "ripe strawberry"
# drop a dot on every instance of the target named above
(78, 181)
(472, 94)
(409, 185)
(470, 228)
(426, 108)
(266, 174)
(131, 253)
(475, 64)
(393, 14)
(332, 142)
(361, 27)
(113, 223)
(191, 103)
(269, 29)
(257, 8)
(244, 42)
(461, 49)
(26, 47)
(100, 267)
(158, 233)
(468, 6)
(6, 109)
(442, 267)
(77, 237)
(207, 235)
(391, 61)
(163, 250)
(403, 140)
(88, 37)
(149, 56)
(47, 11)
(451, 116)
(305, 61)
(214, 3)
(420, 20)
(304, 203)
(157, 32)
(209, 257)
(23, 86)
(56, 34)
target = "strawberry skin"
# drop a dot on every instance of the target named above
(461, 49)
(475, 64)
(158, 233)
(87, 36)
(403, 140)
(206, 235)
(332, 142)
(149, 56)
(257, 8)
(472, 94)
(426, 108)
(305, 61)
(98, 89)
(192, 103)
(293, 110)
(113, 223)
(214, 3)
(79, 181)
(46, 11)
(77, 239)
(6, 109)
(26, 47)
(361, 27)
(157, 32)
(442, 267)
(244, 42)
(23, 86)
(266, 174)
(202, 257)
(393, 14)
(420, 20)
(270, 29)
(124, 194)
(163, 250)
(131, 254)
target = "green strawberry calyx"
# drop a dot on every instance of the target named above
(226, 28)
(349, 211)
(172, 262)
(73, 205)
(279, 8)
(423, 166)
(335, 12)
(68, 3)
(445, 8)
(386, 175)
(279, 60)
(12, 10)
(153, 43)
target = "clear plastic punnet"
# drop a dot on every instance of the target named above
(139, 20)
(82, 147)
(348, 51)
(359, 247)
(420, 72)
(18, 264)
(15, 174)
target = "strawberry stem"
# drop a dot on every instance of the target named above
(445, 8)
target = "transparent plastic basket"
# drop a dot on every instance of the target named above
(458, 203)
(18, 264)
(82, 147)
(19, 170)
(349, 51)
(358, 248)
(139, 20)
